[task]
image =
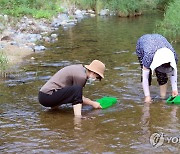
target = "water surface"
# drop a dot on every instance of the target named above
(27, 127)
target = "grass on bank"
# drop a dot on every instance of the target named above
(121, 7)
(170, 26)
(34, 8)
(46, 9)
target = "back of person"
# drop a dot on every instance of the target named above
(67, 76)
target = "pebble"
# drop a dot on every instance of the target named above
(39, 48)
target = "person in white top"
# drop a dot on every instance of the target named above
(163, 62)
(157, 55)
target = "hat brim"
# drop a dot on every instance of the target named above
(91, 69)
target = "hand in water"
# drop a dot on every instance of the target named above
(174, 93)
(147, 99)
(96, 105)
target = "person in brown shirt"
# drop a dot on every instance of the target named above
(67, 84)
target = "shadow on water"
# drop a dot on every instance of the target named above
(126, 127)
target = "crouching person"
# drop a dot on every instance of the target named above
(66, 86)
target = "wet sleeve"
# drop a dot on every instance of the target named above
(174, 81)
(145, 82)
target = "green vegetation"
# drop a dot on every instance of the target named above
(35, 8)
(170, 26)
(3, 63)
(121, 7)
(126, 8)
(46, 9)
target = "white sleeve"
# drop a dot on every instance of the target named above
(174, 81)
(145, 82)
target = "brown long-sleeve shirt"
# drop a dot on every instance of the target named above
(67, 76)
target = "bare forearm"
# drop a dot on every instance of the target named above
(87, 101)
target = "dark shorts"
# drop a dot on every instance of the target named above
(161, 77)
(71, 94)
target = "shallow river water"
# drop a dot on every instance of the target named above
(126, 127)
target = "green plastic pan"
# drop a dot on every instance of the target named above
(107, 101)
(173, 100)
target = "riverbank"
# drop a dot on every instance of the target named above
(21, 37)
(25, 36)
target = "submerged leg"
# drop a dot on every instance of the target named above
(77, 110)
(163, 89)
(162, 80)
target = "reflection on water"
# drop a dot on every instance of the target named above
(27, 127)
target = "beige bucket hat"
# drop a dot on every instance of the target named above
(96, 66)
